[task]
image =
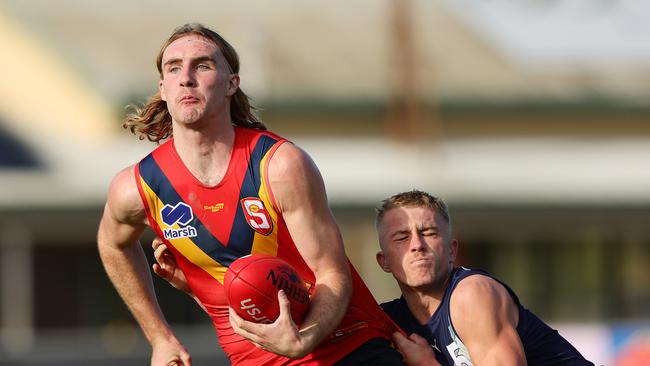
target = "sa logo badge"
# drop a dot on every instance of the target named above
(256, 215)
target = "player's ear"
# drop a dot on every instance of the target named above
(161, 90)
(454, 250)
(383, 263)
(233, 85)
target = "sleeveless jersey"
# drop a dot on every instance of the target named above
(207, 228)
(542, 344)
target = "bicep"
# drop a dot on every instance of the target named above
(485, 317)
(115, 233)
(300, 194)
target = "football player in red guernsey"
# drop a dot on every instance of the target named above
(221, 187)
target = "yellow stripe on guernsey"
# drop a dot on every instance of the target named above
(266, 244)
(185, 245)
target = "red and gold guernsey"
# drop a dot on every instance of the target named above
(207, 228)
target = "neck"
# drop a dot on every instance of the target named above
(205, 148)
(424, 301)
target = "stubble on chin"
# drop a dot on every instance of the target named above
(189, 116)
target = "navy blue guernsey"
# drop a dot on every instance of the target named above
(542, 344)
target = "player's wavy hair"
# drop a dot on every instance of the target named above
(413, 198)
(153, 120)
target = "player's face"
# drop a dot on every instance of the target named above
(416, 247)
(196, 81)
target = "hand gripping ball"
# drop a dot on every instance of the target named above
(252, 283)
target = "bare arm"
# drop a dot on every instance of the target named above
(486, 317)
(300, 193)
(122, 223)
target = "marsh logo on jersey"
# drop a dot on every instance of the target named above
(180, 214)
(256, 215)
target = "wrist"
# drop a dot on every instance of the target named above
(308, 339)
(162, 336)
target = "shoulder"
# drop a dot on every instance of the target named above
(295, 179)
(474, 288)
(290, 159)
(124, 201)
(497, 307)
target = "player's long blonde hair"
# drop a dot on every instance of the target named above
(153, 120)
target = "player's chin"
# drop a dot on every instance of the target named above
(189, 116)
(421, 280)
(418, 283)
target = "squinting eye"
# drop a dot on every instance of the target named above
(173, 69)
(203, 67)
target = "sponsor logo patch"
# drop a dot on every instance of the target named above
(180, 214)
(214, 208)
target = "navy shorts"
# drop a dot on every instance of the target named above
(375, 352)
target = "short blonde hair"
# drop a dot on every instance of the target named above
(413, 198)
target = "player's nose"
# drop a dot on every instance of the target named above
(187, 78)
(417, 243)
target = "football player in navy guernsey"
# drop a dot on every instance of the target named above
(455, 315)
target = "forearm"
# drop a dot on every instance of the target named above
(128, 270)
(329, 304)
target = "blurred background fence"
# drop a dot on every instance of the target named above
(531, 118)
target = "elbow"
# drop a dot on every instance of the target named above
(336, 285)
(345, 290)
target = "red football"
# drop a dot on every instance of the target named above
(252, 283)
